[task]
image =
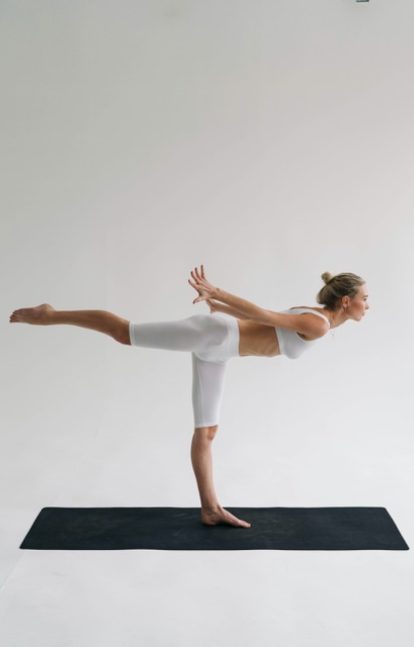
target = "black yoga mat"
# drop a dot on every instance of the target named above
(360, 528)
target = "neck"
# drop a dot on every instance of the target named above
(336, 317)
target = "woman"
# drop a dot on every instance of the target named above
(234, 327)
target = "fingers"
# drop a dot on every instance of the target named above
(197, 290)
(196, 287)
(200, 284)
(196, 276)
(200, 273)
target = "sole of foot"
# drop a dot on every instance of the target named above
(36, 315)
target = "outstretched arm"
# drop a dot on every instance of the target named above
(307, 324)
(216, 306)
(248, 309)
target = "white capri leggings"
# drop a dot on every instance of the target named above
(212, 340)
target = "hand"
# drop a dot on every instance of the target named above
(212, 305)
(203, 287)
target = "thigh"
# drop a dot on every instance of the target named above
(196, 333)
(207, 391)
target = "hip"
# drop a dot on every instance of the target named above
(219, 347)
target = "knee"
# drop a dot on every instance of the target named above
(206, 432)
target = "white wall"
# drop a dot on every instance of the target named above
(270, 141)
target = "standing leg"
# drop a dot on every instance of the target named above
(100, 320)
(212, 513)
(207, 393)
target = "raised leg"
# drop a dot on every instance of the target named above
(99, 320)
(196, 334)
(212, 513)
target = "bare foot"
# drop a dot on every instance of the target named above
(213, 517)
(37, 315)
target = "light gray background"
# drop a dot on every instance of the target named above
(271, 141)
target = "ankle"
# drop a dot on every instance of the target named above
(211, 508)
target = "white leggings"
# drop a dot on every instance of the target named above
(212, 340)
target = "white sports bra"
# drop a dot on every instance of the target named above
(290, 343)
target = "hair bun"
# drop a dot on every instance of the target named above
(326, 277)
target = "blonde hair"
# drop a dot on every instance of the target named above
(337, 286)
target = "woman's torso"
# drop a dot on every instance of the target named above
(258, 339)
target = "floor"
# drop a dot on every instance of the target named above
(207, 598)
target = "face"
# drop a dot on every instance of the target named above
(358, 305)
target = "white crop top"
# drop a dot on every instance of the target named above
(290, 343)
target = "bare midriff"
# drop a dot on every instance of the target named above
(257, 339)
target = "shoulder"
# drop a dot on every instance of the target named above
(310, 325)
(314, 322)
(315, 326)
